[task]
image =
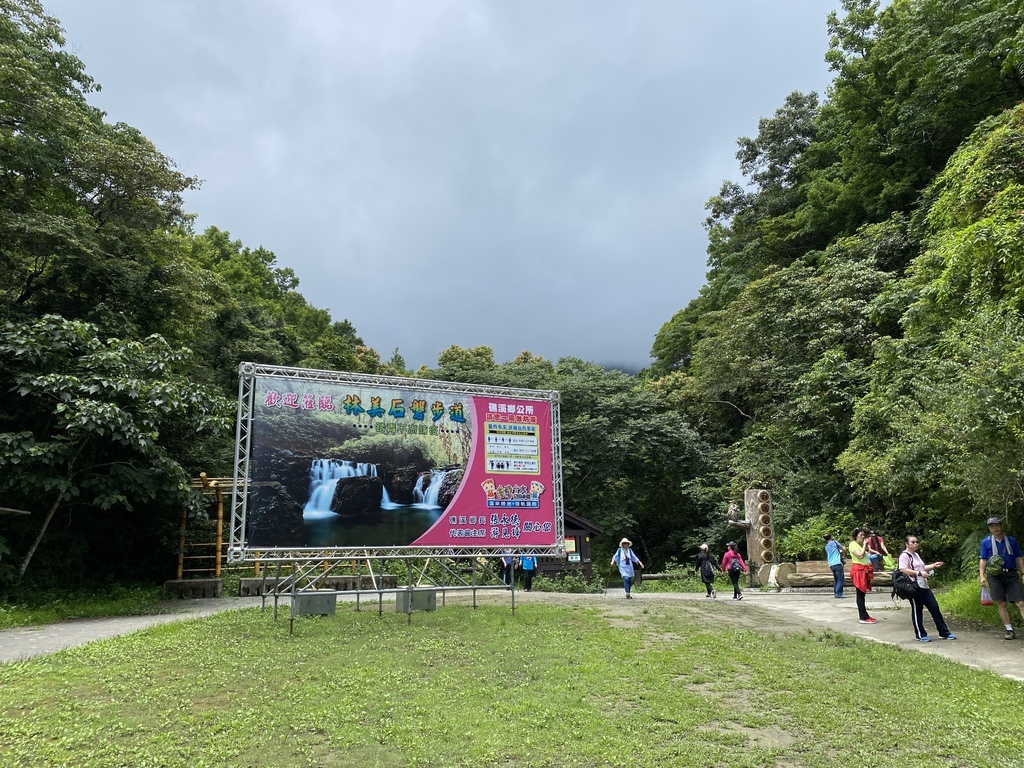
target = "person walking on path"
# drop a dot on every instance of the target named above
(706, 566)
(834, 552)
(860, 573)
(877, 551)
(506, 567)
(910, 563)
(732, 563)
(1002, 564)
(625, 559)
(529, 565)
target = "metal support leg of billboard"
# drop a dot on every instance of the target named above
(243, 442)
(311, 575)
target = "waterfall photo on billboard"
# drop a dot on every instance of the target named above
(339, 464)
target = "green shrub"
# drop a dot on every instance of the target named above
(29, 607)
(806, 540)
(683, 578)
(963, 600)
(567, 581)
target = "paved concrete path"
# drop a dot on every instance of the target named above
(978, 647)
(26, 642)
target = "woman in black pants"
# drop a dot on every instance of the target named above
(732, 563)
(706, 570)
(860, 573)
(912, 565)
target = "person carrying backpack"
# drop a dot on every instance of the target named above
(834, 552)
(910, 563)
(706, 570)
(732, 563)
(1002, 564)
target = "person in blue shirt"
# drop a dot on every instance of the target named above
(1005, 572)
(625, 559)
(529, 565)
(834, 552)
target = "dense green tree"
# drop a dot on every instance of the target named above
(940, 428)
(848, 295)
(341, 350)
(912, 82)
(88, 210)
(751, 228)
(470, 362)
(396, 364)
(628, 461)
(778, 378)
(98, 425)
(103, 284)
(255, 313)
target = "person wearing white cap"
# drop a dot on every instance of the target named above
(706, 566)
(625, 559)
(1002, 565)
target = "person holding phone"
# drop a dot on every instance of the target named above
(860, 574)
(913, 565)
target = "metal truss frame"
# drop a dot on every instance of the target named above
(310, 575)
(248, 373)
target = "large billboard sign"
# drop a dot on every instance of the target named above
(329, 461)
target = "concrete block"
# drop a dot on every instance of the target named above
(194, 588)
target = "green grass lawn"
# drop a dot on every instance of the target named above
(553, 685)
(31, 607)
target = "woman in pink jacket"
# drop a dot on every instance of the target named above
(732, 563)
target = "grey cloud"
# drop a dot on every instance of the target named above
(525, 175)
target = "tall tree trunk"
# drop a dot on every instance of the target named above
(42, 530)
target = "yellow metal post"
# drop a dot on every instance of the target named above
(181, 543)
(220, 531)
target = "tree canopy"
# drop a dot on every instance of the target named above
(856, 345)
(121, 330)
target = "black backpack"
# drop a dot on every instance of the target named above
(707, 569)
(903, 586)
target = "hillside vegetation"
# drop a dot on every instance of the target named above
(857, 346)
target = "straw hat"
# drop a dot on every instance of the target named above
(625, 543)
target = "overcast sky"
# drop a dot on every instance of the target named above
(515, 173)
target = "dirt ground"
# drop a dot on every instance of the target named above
(978, 647)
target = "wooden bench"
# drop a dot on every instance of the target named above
(194, 588)
(816, 573)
